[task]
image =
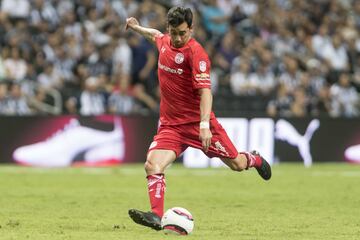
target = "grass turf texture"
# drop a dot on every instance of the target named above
(322, 202)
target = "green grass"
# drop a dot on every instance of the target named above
(322, 202)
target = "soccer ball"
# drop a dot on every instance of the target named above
(178, 221)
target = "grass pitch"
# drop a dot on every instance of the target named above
(322, 202)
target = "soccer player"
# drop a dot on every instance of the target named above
(186, 118)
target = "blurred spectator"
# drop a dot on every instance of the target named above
(300, 105)
(336, 57)
(291, 73)
(226, 53)
(323, 102)
(214, 19)
(43, 11)
(2, 68)
(17, 102)
(143, 75)
(120, 101)
(263, 80)
(92, 100)
(122, 58)
(345, 99)
(15, 66)
(280, 105)
(321, 40)
(50, 77)
(16, 8)
(3, 98)
(125, 8)
(316, 77)
(240, 80)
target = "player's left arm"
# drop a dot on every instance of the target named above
(205, 134)
(201, 80)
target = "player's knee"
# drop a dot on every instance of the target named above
(152, 167)
(149, 166)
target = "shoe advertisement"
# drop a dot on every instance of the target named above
(109, 140)
(73, 141)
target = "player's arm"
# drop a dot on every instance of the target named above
(148, 33)
(205, 111)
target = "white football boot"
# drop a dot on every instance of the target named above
(61, 149)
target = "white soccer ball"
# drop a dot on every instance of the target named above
(178, 221)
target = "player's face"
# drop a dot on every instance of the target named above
(180, 35)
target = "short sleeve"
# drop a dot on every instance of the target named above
(201, 69)
(159, 41)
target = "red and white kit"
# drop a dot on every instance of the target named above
(181, 72)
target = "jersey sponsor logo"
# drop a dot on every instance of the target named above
(170, 70)
(202, 77)
(163, 49)
(179, 58)
(202, 66)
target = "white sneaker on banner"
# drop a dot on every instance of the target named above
(352, 153)
(61, 149)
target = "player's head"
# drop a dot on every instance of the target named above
(179, 25)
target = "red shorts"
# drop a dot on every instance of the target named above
(178, 138)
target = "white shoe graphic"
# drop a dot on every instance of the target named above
(352, 153)
(286, 132)
(61, 149)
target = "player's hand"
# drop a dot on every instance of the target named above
(205, 137)
(131, 22)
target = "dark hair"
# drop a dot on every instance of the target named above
(178, 15)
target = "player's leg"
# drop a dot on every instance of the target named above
(246, 160)
(155, 165)
(223, 148)
(238, 161)
(157, 161)
(167, 145)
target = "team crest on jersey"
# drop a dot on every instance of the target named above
(179, 58)
(202, 66)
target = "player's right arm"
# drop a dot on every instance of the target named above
(149, 33)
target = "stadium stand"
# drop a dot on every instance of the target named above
(280, 58)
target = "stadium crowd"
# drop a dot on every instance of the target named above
(288, 58)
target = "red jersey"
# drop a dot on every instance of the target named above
(181, 72)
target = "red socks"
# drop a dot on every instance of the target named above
(252, 160)
(156, 189)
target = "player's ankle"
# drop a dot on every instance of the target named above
(252, 160)
(258, 161)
